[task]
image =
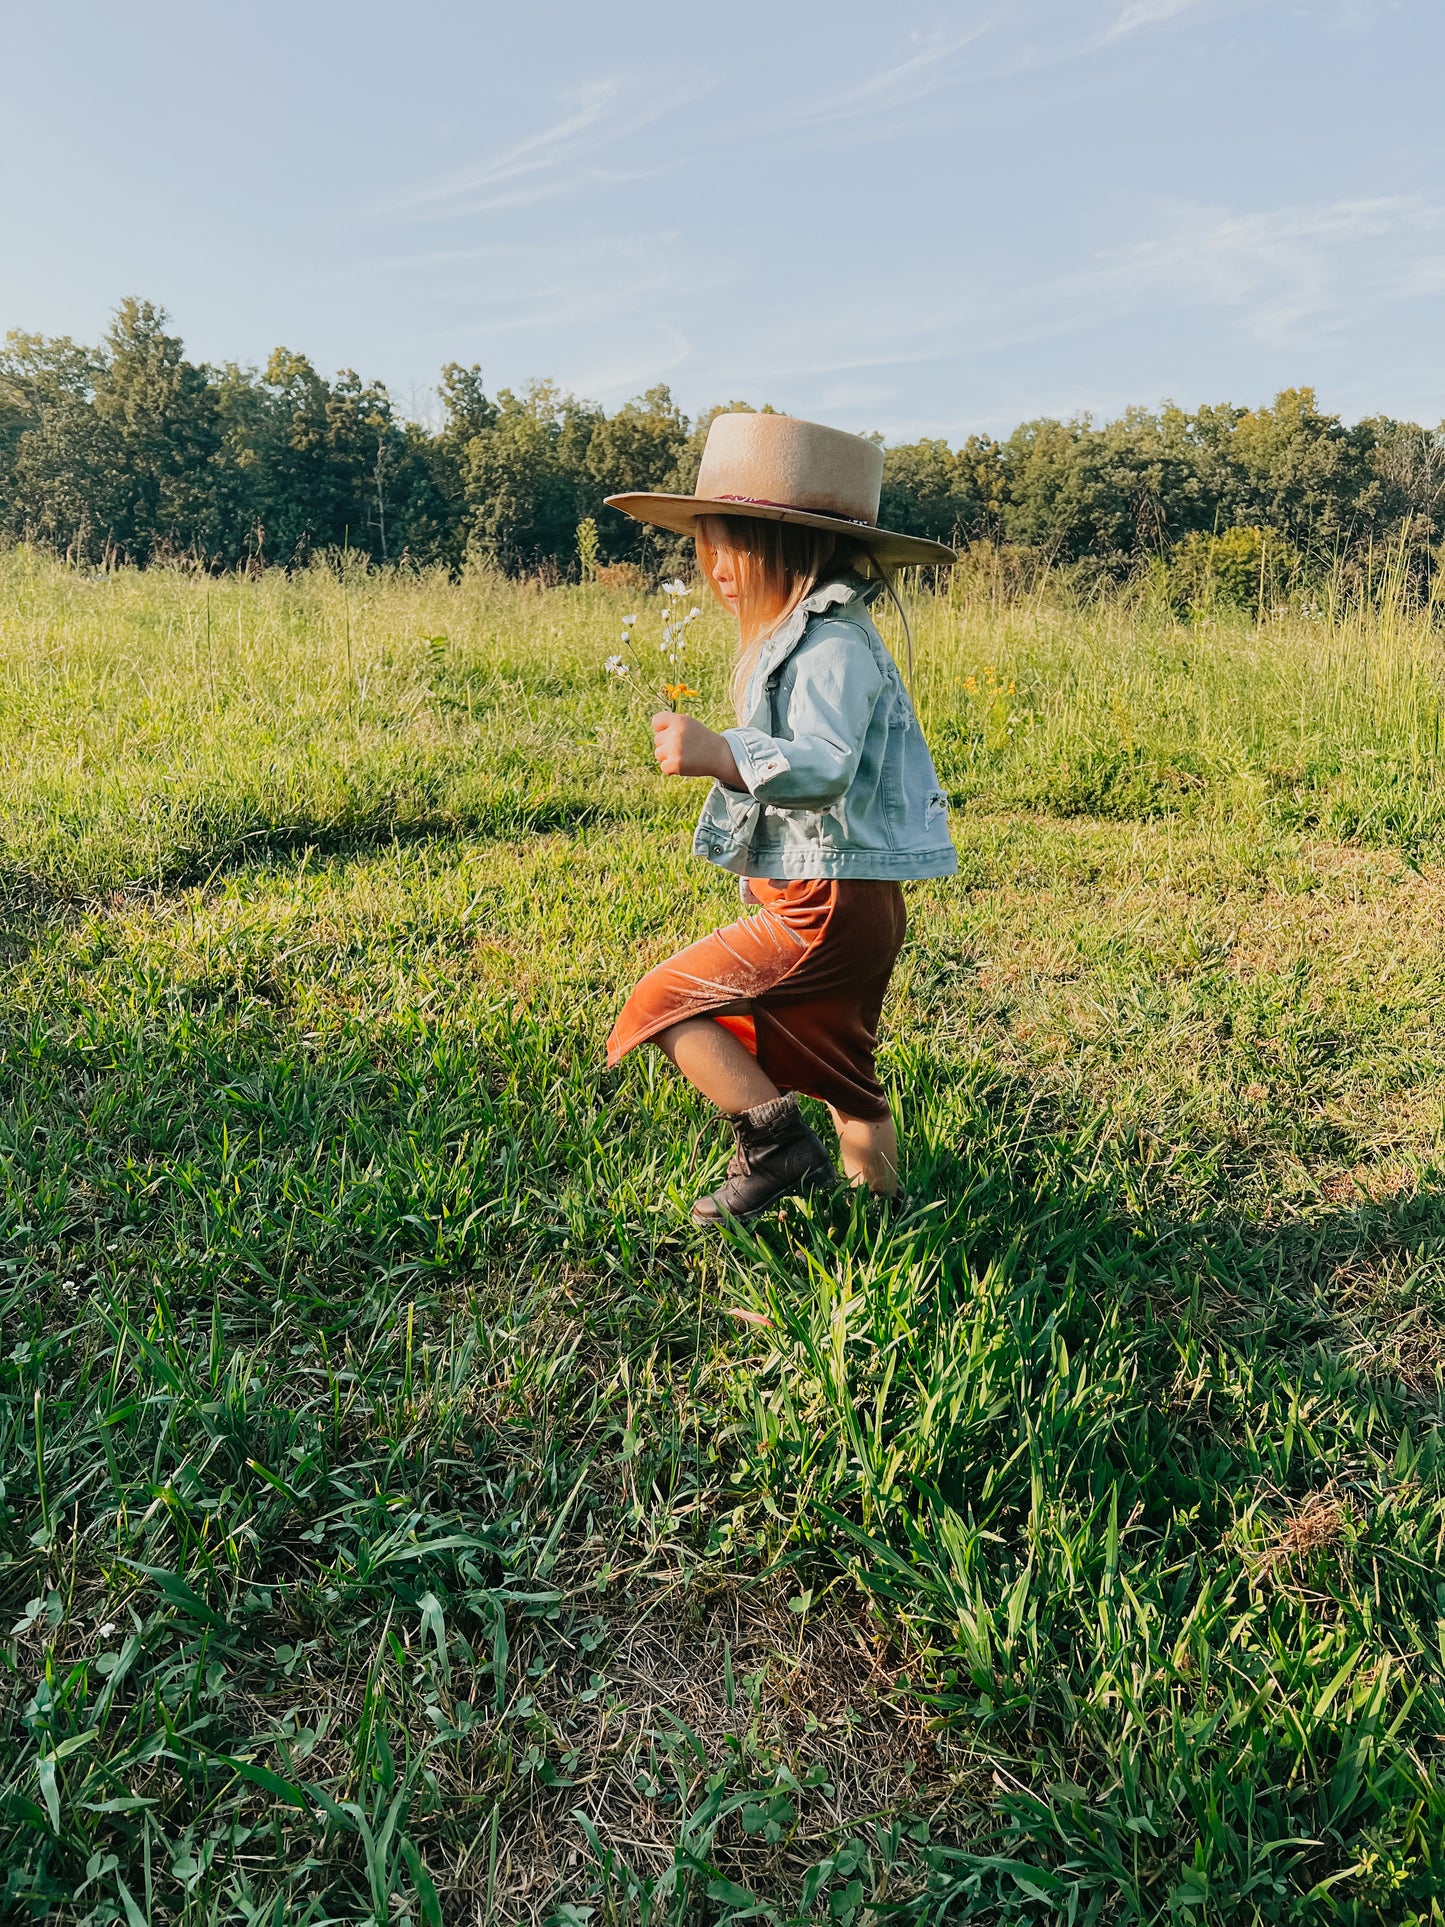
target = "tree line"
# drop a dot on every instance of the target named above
(129, 451)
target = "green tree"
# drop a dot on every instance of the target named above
(637, 448)
(527, 480)
(444, 504)
(1404, 502)
(130, 449)
(328, 465)
(53, 454)
(118, 451)
(1109, 493)
(1303, 471)
(1242, 568)
(1055, 501)
(931, 490)
(174, 494)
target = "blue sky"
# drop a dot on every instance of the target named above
(925, 219)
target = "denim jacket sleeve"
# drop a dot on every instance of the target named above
(836, 683)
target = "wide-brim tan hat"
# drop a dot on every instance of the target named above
(775, 468)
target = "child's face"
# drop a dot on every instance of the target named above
(724, 576)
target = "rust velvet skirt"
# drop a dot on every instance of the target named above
(800, 982)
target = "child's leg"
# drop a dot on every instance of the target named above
(870, 1152)
(715, 1063)
(778, 1155)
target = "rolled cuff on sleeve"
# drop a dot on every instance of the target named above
(760, 759)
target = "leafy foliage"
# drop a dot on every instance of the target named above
(130, 452)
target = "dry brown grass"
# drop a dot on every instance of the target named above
(1316, 1525)
(697, 1680)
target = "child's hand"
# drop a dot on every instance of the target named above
(685, 747)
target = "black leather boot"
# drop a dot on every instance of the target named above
(778, 1156)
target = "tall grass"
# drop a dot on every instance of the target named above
(157, 720)
(1322, 717)
(396, 1524)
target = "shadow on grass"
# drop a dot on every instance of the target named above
(212, 849)
(1063, 1185)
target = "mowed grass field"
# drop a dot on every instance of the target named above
(396, 1524)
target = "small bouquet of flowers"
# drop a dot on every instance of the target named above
(675, 624)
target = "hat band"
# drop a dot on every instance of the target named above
(792, 508)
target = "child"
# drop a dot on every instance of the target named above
(823, 801)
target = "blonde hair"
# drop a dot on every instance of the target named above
(776, 566)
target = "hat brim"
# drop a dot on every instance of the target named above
(681, 514)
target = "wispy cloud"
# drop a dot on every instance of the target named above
(530, 288)
(1024, 37)
(924, 71)
(1062, 33)
(1288, 276)
(1328, 285)
(585, 145)
(614, 311)
(558, 158)
(1289, 271)
(1360, 16)
(1147, 13)
(1291, 278)
(1190, 286)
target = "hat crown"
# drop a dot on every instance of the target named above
(786, 463)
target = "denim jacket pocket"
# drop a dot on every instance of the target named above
(740, 811)
(727, 826)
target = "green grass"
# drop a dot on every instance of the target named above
(395, 1522)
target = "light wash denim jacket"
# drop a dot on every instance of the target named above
(839, 779)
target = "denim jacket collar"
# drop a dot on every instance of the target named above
(786, 637)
